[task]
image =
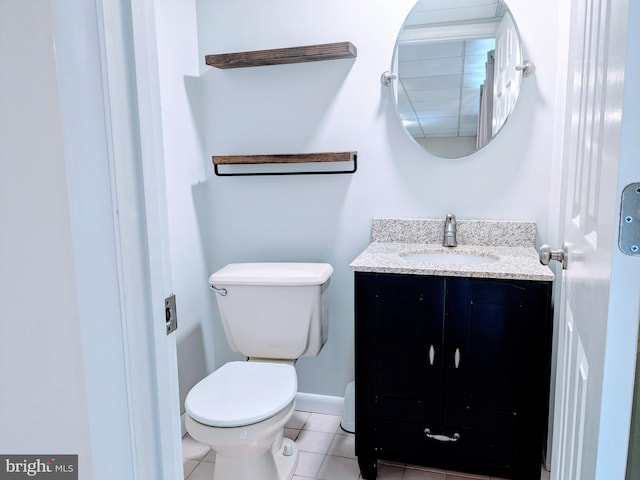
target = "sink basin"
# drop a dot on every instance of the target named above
(447, 258)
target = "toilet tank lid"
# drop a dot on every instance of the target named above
(272, 273)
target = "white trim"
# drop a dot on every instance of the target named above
(162, 375)
(311, 402)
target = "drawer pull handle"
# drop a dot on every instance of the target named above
(432, 355)
(456, 358)
(441, 438)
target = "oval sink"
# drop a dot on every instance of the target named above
(447, 258)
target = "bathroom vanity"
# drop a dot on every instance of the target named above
(452, 348)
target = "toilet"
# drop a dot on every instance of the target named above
(273, 314)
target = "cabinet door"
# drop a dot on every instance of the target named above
(496, 354)
(399, 346)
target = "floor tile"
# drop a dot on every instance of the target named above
(309, 464)
(320, 422)
(417, 474)
(315, 442)
(204, 471)
(390, 472)
(298, 419)
(188, 466)
(339, 468)
(465, 476)
(343, 446)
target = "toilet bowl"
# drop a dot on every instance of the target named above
(272, 313)
(240, 411)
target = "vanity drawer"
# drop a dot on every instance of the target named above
(478, 452)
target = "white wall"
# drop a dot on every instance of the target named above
(340, 105)
(43, 402)
(186, 173)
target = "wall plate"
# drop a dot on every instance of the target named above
(629, 237)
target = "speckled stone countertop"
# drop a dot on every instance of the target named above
(510, 243)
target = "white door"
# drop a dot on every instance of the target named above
(596, 337)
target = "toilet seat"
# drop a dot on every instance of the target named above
(242, 393)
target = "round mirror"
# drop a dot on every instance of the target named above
(459, 68)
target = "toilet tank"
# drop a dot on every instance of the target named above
(274, 310)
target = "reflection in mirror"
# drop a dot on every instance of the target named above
(459, 66)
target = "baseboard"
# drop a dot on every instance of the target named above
(311, 402)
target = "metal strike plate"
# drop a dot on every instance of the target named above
(629, 238)
(171, 316)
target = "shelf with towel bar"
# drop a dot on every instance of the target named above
(285, 164)
(280, 56)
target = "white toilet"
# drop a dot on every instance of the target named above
(273, 313)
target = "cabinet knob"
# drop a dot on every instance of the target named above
(456, 358)
(432, 355)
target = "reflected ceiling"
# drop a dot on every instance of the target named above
(439, 92)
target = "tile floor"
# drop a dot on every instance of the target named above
(326, 452)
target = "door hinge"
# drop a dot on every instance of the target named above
(171, 316)
(629, 236)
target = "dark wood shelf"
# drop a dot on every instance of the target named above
(280, 56)
(292, 159)
(283, 158)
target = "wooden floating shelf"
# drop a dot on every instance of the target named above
(283, 158)
(290, 159)
(280, 56)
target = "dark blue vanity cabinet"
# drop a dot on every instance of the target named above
(452, 373)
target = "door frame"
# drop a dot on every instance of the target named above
(133, 79)
(624, 300)
(631, 170)
(109, 96)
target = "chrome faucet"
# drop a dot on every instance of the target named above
(450, 231)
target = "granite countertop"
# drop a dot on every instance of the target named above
(511, 244)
